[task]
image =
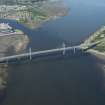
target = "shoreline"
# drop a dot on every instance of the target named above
(96, 53)
(99, 51)
(101, 57)
(34, 17)
(99, 35)
(16, 43)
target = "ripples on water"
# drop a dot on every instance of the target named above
(75, 81)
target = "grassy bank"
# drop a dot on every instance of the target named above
(99, 35)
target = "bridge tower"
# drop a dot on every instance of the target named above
(74, 50)
(64, 46)
(30, 53)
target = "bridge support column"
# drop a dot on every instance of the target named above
(74, 50)
(30, 52)
(64, 46)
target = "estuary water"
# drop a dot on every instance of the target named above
(72, 81)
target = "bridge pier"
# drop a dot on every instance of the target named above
(64, 46)
(30, 53)
(74, 49)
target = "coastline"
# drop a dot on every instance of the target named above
(34, 17)
(100, 55)
(10, 44)
(99, 35)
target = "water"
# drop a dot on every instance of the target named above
(72, 81)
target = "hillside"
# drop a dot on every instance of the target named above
(32, 13)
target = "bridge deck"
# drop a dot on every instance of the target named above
(29, 54)
(74, 49)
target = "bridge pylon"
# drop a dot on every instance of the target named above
(74, 50)
(30, 53)
(64, 46)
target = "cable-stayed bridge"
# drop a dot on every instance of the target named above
(71, 51)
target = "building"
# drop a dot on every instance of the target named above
(5, 29)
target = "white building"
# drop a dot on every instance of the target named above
(5, 26)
